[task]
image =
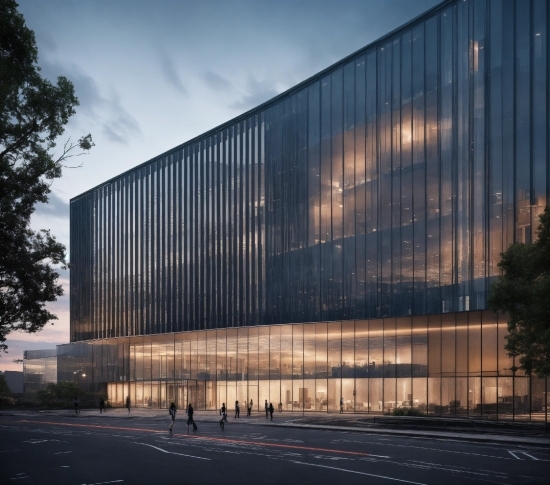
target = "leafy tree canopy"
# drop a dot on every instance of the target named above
(62, 394)
(523, 292)
(5, 391)
(33, 114)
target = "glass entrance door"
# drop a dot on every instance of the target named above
(190, 391)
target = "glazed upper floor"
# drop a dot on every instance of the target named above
(386, 185)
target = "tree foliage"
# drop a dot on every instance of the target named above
(5, 391)
(523, 292)
(62, 395)
(33, 114)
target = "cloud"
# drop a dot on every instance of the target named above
(216, 82)
(56, 207)
(171, 75)
(257, 92)
(45, 40)
(85, 87)
(116, 123)
(121, 125)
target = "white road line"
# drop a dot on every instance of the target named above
(171, 452)
(101, 483)
(358, 473)
(61, 452)
(441, 450)
(530, 456)
(513, 453)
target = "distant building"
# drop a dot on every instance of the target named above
(39, 369)
(336, 242)
(14, 379)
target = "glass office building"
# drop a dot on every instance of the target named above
(337, 241)
(39, 370)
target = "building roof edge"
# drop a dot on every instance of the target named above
(264, 105)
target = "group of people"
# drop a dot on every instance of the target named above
(190, 421)
(189, 411)
(269, 409)
(249, 407)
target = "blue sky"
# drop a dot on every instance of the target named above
(152, 75)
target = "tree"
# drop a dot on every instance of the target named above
(62, 394)
(5, 391)
(523, 292)
(33, 115)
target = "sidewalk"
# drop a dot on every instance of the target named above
(358, 423)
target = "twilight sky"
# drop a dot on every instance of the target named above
(152, 75)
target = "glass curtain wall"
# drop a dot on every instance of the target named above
(386, 186)
(39, 370)
(445, 365)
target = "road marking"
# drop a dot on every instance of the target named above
(205, 438)
(101, 483)
(358, 473)
(439, 449)
(513, 453)
(459, 469)
(530, 456)
(171, 452)
(35, 441)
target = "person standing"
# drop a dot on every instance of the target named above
(190, 419)
(249, 408)
(224, 416)
(172, 415)
(101, 405)
(128, 403)
(271, 410)
(237, 410)
(266, 409)
(341, 405)
(76, 404)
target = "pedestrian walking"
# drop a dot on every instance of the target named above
(190, 419)
(271, 410)
(266, 409)
(76, 404)
(224, 416)
(237, 410)
(172, 412)
(341, 405)
(101, 405)
(128, 403)
(249, 408)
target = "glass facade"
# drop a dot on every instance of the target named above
(450, 364)
(375, 197)
(39, 370)
(385, 186)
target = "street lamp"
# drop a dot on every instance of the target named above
(79, 374)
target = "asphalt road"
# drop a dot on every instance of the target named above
(79, 450)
